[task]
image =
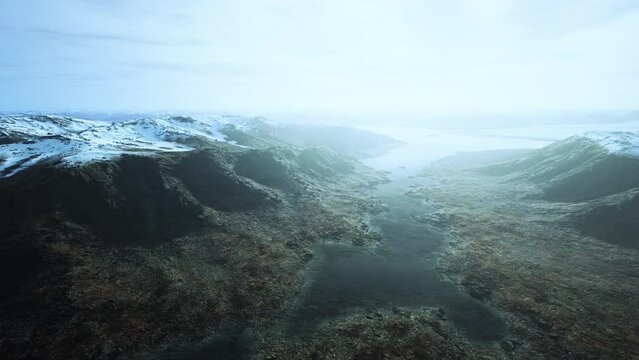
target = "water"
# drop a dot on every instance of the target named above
(400, 273)
(349, 279)
(422, 146)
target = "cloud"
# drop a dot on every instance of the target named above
(133, 9)
(9, 64)
(360, 55)
(69, 76)
(204, 68)
(103, 37)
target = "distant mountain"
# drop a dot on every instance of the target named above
(597, 169)
(342, 139)
(26, 140)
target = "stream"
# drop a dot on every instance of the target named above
(402, 272)
(347, 280)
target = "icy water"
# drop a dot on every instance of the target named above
(400, 273)
(348, 279)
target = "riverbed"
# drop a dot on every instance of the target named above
(400, 273)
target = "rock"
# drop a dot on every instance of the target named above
(476, 289)
(509, 345)
(292, 245)
(543, 324)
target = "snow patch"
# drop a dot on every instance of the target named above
(27, 140)
(625, 143)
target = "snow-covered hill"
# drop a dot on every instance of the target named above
(584, 167)
(27, 140)
(624, 143)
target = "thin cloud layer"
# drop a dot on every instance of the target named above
(356, 57)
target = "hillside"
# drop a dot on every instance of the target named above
(549, 237)
(599, 171)
(118, 238)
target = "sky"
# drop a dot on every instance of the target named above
(410, 57)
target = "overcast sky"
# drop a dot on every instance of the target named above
(339, 56)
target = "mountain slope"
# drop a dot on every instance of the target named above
(578, 168)
(614, 219)
(599, 172)
(125, 237)
(27, 140)
(345, 140)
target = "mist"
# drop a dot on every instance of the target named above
(408, 59)
(319, 180)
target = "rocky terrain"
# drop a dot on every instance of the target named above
(228, 237)
(597, 173)
(117, 239)
(550, 238)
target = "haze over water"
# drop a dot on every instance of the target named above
(423, 145)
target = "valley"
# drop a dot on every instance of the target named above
(220, 238)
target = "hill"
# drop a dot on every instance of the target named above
(599, 171)
(116, 238)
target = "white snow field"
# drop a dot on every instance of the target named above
(27, 140)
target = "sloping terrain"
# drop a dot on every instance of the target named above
(27, 140)
(551, 242)
(36, 139)
(600, 171)
(259, 133)
(575, 169)
(342, 139)
(614, 219)
(125, 237)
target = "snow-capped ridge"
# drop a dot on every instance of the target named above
(624, 143)
(27, 140)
